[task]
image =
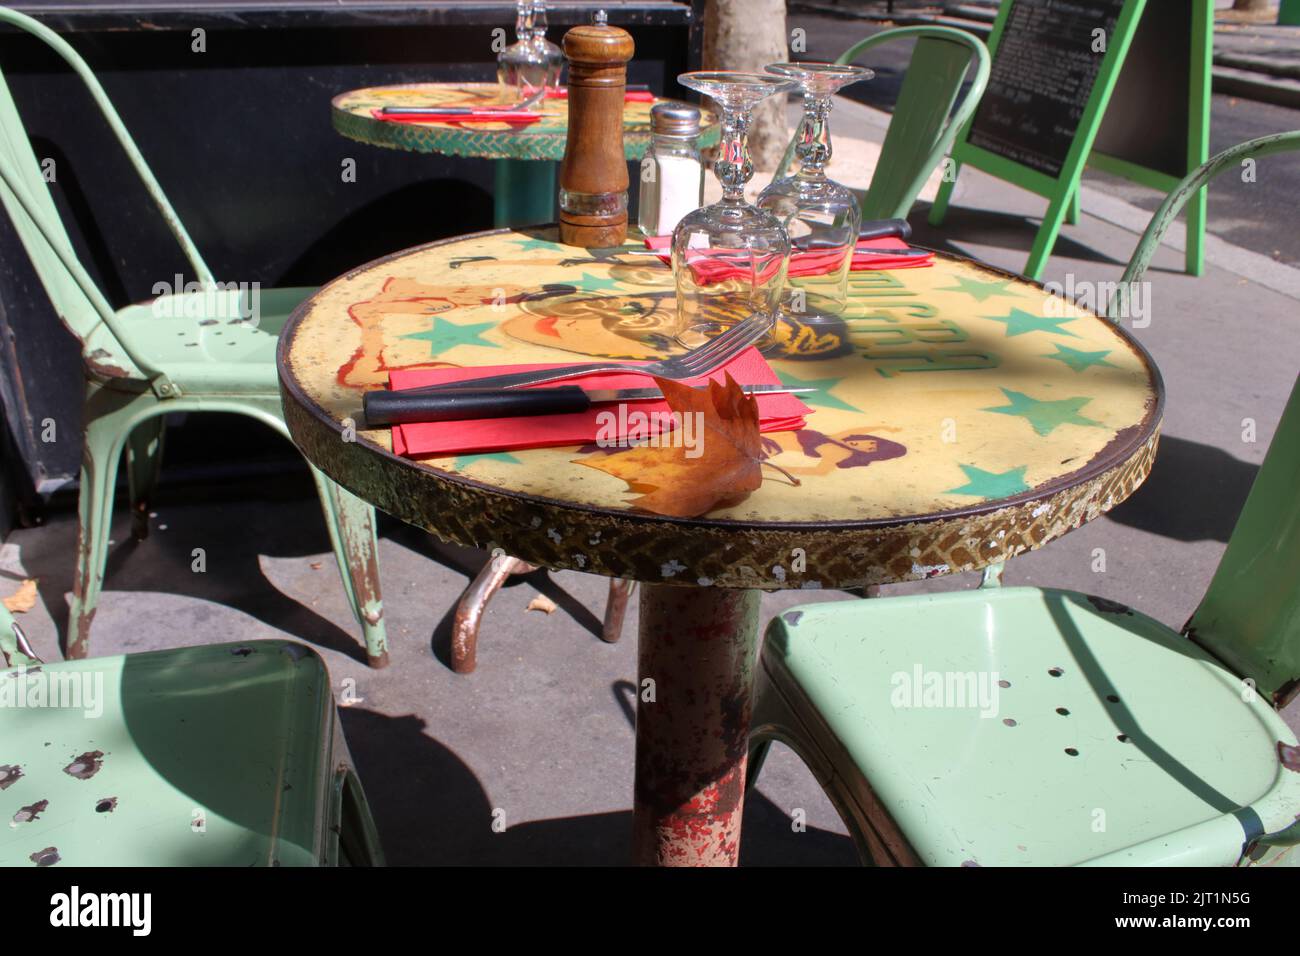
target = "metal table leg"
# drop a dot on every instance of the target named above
(469, 613)
(695, 678)
(473, 604)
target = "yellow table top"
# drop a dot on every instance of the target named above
(963, 414)
(544, 139)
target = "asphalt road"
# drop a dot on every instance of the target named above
(1260, 216)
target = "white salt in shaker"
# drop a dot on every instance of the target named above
(672, 175)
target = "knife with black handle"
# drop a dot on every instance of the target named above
(383, 407)
(873, 229)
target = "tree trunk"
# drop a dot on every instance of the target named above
(747, 35)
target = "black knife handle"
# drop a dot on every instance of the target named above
(383, 407)
(882, 228)
(875, 229)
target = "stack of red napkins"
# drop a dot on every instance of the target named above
(777, 412)
(815, 262)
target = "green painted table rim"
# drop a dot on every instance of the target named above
(479, 143)
(723, 552)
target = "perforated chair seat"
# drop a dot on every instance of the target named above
(1021, 726)
(218, 755)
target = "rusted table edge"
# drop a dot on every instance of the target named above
(570, 535)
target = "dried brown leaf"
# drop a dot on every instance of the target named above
(24, 599)
(541, 603)
(727, 469)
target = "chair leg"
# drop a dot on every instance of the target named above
(351, 525)
(469, 613)
(144, 450)
(758, 748)
(106, 418)
(358, 838)
(616, 609)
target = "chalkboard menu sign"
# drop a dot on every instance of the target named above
(1043, 73)
(1121, 85)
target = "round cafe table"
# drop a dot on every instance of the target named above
(962, 416)
(525, 190)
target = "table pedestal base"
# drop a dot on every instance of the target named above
(524, 193)
(695, 677)
(474, 602)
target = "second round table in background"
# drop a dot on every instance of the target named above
(527, 155)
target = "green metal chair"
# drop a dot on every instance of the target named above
(218, 755)
(921, 130)
(1164, 216)
(1036, 726)
(186, 352)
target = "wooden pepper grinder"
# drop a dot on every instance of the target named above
(593, 174)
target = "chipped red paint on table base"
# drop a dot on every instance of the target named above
(695, 673)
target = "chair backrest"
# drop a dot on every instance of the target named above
(921, 131)
(25, 194)
(1198, 178)
(1250, 616)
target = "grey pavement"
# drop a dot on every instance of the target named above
(542, 730)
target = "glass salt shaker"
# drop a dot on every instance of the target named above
(551, 55)
(672, 174)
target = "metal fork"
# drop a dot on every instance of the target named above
(698, 361)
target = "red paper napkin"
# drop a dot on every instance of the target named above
(801, 263)
(434, 116)
(777, 412)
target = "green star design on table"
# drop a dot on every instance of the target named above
(1080, 361)
(591, 283)
(443, 336)
(1018, 322)
(1045, 416)
(978, 290)
(991, 484)
(527, 243)
(464, 461)
(823, 396)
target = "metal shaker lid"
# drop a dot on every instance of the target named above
(675, 119)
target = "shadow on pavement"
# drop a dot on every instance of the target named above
(1002, 230)
(165, 561)
(431, 809)
(1170, 505)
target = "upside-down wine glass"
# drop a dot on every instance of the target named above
(729, 258)
(821, 216)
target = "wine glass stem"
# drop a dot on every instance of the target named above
(814, 147)
(733, 167)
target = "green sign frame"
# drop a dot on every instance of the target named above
(1062, 190)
